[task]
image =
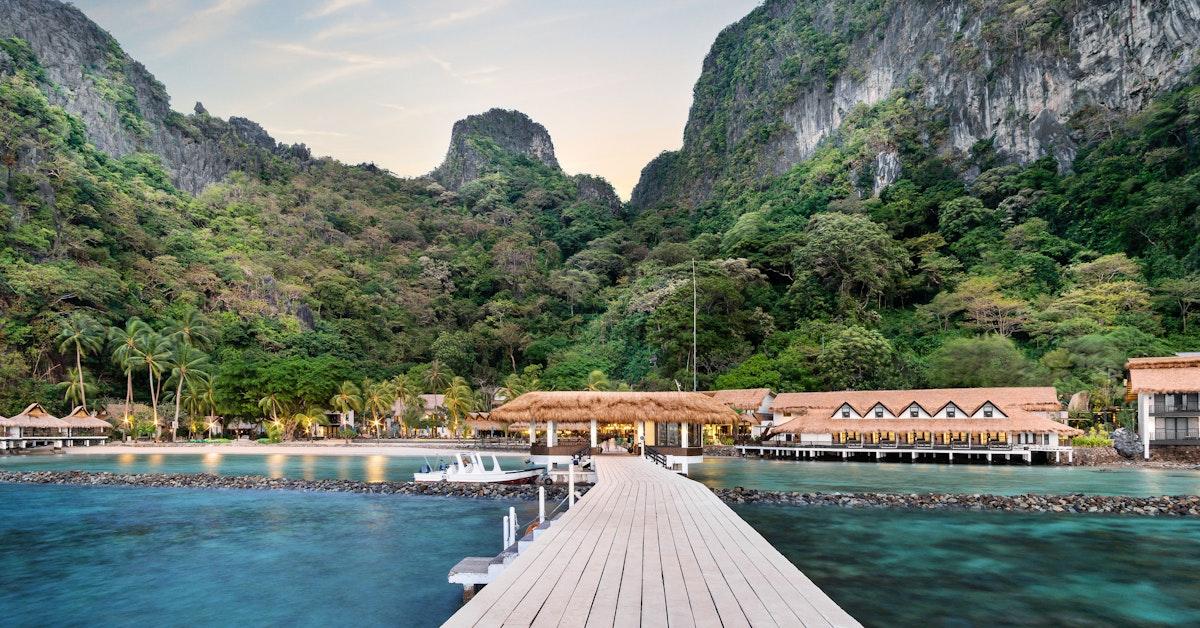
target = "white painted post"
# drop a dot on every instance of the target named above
(504, 535)
(512, 520)
(594, 435)
(641, 436)
(551, 433)
(532, 431)
(571, 485)
(541, 504)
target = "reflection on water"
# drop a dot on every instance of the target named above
(1001, 479)
(892, 567)
(212, 462)
(84, 556)
(275, 463)
(376, 468)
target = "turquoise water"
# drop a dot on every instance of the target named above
(121, 556)
(962, 568)
(830, 476)
(363, 468)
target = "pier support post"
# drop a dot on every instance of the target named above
(504, 535)
(571, 485)
(1056, 460)
(512, 523)
(989, 458)
(594, 437)
(541, 504)
(952, 457)
(1070, 456)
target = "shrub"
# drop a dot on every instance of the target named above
(1094, 438)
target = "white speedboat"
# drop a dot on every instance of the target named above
(470, 467)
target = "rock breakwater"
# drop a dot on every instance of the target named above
(205, 480)
(1176, 506)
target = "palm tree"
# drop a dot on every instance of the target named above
(308, 420)
(409, 394)
(377, 399)
(81, 333)
(272, 406)
(348, 398)
(125, 342)
(75, 388)
(436, 378)
(190, 329)
(597, 380)
(153, 354)
(459, 401)
(186, 364)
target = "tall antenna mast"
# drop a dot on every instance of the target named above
(695, 377)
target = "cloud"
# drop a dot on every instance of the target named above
(203, 25)
(342, 63)
(463, 15)
(357, 29)
(477, 76)
(334, 6)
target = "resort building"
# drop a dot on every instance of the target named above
(1167, 391)
(664, 426)
(977, 422)
(754, 406)
(35, 427)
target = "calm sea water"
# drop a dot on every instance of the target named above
(123, 556)
(962, 568)
(829, 476)
(377, 468)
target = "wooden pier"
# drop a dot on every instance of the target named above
(646, 546)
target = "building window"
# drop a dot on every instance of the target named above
(987, 412)
(879, 413)
(845, 413)
(950, 412)
(914, 413)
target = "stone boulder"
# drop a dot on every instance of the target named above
(1127, 443)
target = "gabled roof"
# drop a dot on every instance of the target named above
(741, 398)
(80, 417)
(614, 407)
(34, 415)
(1172, 374)
(1030, 398)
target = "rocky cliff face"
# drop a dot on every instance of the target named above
(123, 107)
(479, 142)
(779, 81)
(508, 130)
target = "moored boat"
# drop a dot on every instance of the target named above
(470, 467)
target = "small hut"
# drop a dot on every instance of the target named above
(34, 427)
(86, 428)
(661, 424)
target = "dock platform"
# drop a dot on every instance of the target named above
(646, 546)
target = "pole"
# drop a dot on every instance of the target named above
(571, 485)
(512, 521)
(504, 535)
(695, 377)
(541, 504)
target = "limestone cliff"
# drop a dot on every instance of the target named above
(124, 108)
(508, 130)
(778, 82)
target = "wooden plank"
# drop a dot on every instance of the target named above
(646, 546)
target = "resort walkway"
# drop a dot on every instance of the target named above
(646, 546)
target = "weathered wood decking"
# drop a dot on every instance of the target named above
(648, 547)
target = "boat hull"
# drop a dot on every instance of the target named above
(528, 476)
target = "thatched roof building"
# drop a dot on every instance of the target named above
(744, 399)
(1173, 374)
(614, 407)
(81, 418)
(35, 416)
(975, 410)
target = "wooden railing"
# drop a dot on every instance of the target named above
(656, 457)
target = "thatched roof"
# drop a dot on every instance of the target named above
(34, 415)
(1024, 422)
(1172, 374)
(615, 407)
(1008, 399)
(748, 399)
(80, 417)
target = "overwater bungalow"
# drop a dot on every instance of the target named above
(665, 426)
(33, 427)
(1167, 392)
(85, 428)
(967, 422)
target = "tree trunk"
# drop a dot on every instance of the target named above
(175, 421)
(79, 371)
(154, 407)
(128, 394)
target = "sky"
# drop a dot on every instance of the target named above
(384, 80)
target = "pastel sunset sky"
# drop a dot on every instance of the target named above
(384, 80)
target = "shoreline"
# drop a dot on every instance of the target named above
(300, 449)
(1077, 503)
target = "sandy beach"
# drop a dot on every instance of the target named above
(292, 449)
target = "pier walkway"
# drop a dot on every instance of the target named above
(646, 546)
